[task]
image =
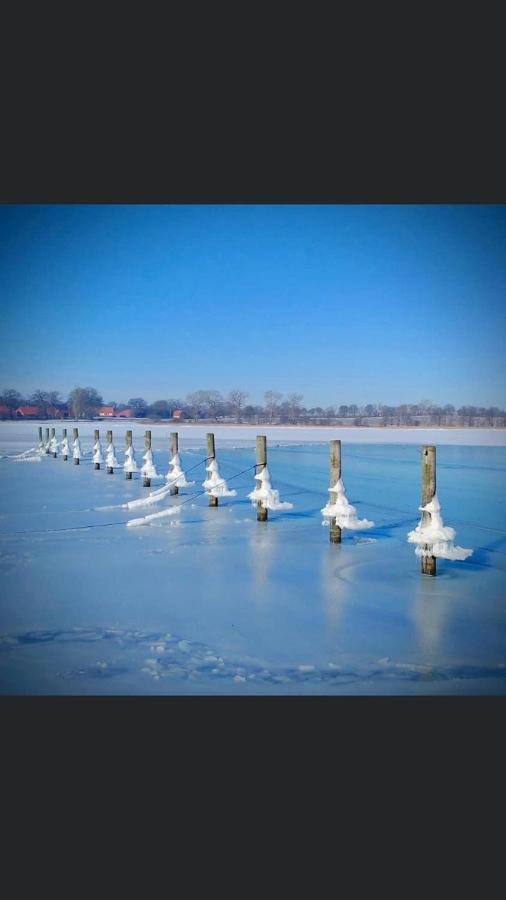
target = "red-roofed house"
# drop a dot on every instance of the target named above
(177, 413)
(55, 412)
(106, 411)
(126, 414)
(27, 412)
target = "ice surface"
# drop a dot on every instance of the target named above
(433, 538)
(342, 511)
(209, 596)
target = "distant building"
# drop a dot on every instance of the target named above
(27, 412)
(57, 412)
(177, 413)
(126, 414)
(4, 412)
(107, 411)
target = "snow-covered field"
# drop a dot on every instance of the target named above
(209, 601)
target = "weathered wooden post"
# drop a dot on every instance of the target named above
(96, 437)
(41, 442)
(53, 435)
(64, 434)
(213, 501)
(110, 469)
(174, 448)
(428, 491)
(47, 440)
(128, 443)
(147, 446)
(335, 474)
(260, 466)
(75, 435)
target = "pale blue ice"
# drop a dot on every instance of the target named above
(210, 601)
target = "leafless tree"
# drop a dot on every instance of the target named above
(237, 398)
(272, 399)
(294, 401)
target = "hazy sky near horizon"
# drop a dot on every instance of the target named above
(344, 304)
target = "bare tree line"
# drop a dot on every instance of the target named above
(213, 406)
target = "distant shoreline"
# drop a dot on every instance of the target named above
(201, 424)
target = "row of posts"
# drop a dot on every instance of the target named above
(428, 476)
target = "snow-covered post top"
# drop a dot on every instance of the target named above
(428, 563)
(76, 446)
(214, 485)
(97, 449)
(65, 449)
(130, 464)
(148, 469)
(110, 455)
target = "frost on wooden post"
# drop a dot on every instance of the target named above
(110, 456)
(175, 475)
(434, 538)
(148, 468)
(266, 493)
(65, 448)
(97, 452)
(342, 511)
(214, 485)
(76, 449)
(130, 464)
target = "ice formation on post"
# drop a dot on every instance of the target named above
(97, 452)
(47, 444)
(130, 464)
(433, 538)
(266, 493)
(53, 444)
(110, 456)
(214, 485)
(76, 451)
(65, 449)
(342, 511)
(175, 475)
(148, 469)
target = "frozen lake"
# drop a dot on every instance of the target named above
(210, 601)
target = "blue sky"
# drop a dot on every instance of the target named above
(344, 304)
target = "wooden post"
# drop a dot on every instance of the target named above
(40, 436)
(64, 434)
(335, 474)
(47, 440)
(428, 491)
(96, 437)
(110, 470)
(147, 446)
(75, 434)
(213, 501)
(262, 511)
(128, 443)
(53, 435)
(174, 448)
